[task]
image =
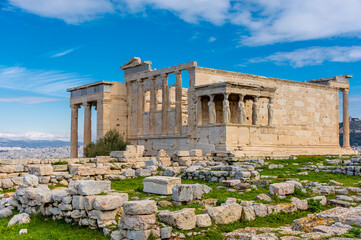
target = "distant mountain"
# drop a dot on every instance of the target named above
(32, 143)
(355, 132)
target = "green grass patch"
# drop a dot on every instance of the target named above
(273, 221)
(60, 163)
(45, 228)
(7, 191)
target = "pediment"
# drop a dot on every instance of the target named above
(135, 61)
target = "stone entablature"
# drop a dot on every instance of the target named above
(219, 111)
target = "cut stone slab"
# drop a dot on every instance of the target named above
(184, 219)
(330, 230)
(203, 220)
(189, 192)
(160, 184)
(92, 187)
(41, 170)
(306, 224)
(300, 204)
(137, 222)
(144, 207)
(248, 213)
(225, 214)
(339, 214)
(282, 189)
(110, 202)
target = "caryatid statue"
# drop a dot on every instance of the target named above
(255, 110)
(226, 109)
(212, 110)
(241, 110)
(270, 111)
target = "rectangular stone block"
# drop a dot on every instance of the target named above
(195, 153)
(282, 189)
(144, 207)
(110, 202)
(7, 168)
(92, 187)
(160, 184)
(60, 168)
(41, 170)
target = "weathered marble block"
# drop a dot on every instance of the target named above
(160, 184)
(41, 170)
(282, 189)
(143, 207)
(92, 187)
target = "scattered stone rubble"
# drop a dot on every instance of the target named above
(88, 200)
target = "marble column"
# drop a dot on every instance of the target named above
(346, 120)
(270, 111)
(164, 104)
(152, 106)
(212, 110)
(74, 131)
(140, 107)
(129, 109)
(199, 119)
(87, 123)
(255, 110)
(178, 103)
(226, 109)
(100, 118)
(192, 104)
(241, 110)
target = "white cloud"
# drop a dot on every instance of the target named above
(314, 56)
(29, 100)
(261, 21)
(286, 21)
(193, 11)
(71, 11)
(60, 54)
(40, 81)
(33, 136)
(212, 39)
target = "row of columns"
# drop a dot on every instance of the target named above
(165, 105)
(87, 125)
(241, 110)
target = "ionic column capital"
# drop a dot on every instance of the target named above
(164, 75)
(87, 104)
(74, 106)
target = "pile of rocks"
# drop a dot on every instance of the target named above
(84, 202)
(138, 220)
(221, 172)
(187, 158)
(333, 222)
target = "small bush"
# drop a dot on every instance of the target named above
(112, 141)
(314, 205)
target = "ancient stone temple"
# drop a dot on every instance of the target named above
(215, 111)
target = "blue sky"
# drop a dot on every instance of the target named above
(49, 46)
